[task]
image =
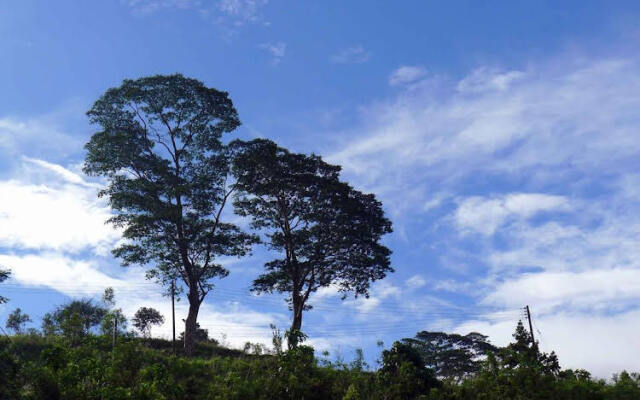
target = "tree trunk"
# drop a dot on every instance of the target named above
(190, 322)
(296, 324)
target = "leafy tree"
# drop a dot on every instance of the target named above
(4, 275)
(526, 353)
(403, 374)
(160, 147)
(145, 318)
(327, 232)
(113, 316)
(16, 321)
(74, 319)
(452, 355)
(518, 371)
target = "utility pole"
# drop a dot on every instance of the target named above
(528, 312)
(173, 314)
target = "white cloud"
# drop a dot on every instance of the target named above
(488, 79)
(58, 211)
(244, 10)
(380, 291)
(594, 289)
(406, 74)
(415, 282)
(444, 132)
(602, 344)
(228, 14)
(25, 136)
(351, 55)
(57, 271)
(276, 50)
(485, 215)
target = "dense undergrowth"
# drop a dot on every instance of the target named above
(37, 367)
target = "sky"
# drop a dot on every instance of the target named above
(501, 136)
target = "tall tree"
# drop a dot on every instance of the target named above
(451, 355)
(16, 321)
(4, 275)
(326, 232)
(160, 147)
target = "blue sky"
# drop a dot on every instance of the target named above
(501, 136)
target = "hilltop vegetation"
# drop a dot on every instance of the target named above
(34, 366)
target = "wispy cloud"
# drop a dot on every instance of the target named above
(485, 215)
(539, 165)
(406, 74)
(227, 14)
(276, 50)
(351, 55)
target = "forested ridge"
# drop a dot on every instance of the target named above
(63, 366)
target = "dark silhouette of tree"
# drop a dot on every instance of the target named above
(17, 320)
(452, 355)
(145, 318)
(327, 232)
(523, 353)
(4, 275)
(202, 335)
(160, 147)
(403, 374)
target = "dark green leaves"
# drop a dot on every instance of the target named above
(326, 231)
(160, 147)
(4, 275)
(452, 355)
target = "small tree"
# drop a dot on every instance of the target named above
(160, 146)
(16, 321)
(145, 318)
(4, 275)
(113, 316)
(326, 232)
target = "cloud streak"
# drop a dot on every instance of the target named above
(528, 184)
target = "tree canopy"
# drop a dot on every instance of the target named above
(159, 145)
(145, 318)
(74, 319)
(16, 320)
(326, 232)
(451, 355)
(4, 275)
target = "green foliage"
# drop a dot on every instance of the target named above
(36, 367)
(159, 145)
(145, 318)
(4, 275)
(327, 232)
(74, 319)
(452, 356)
(16, 321)
(403, 374)
(200, 335)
